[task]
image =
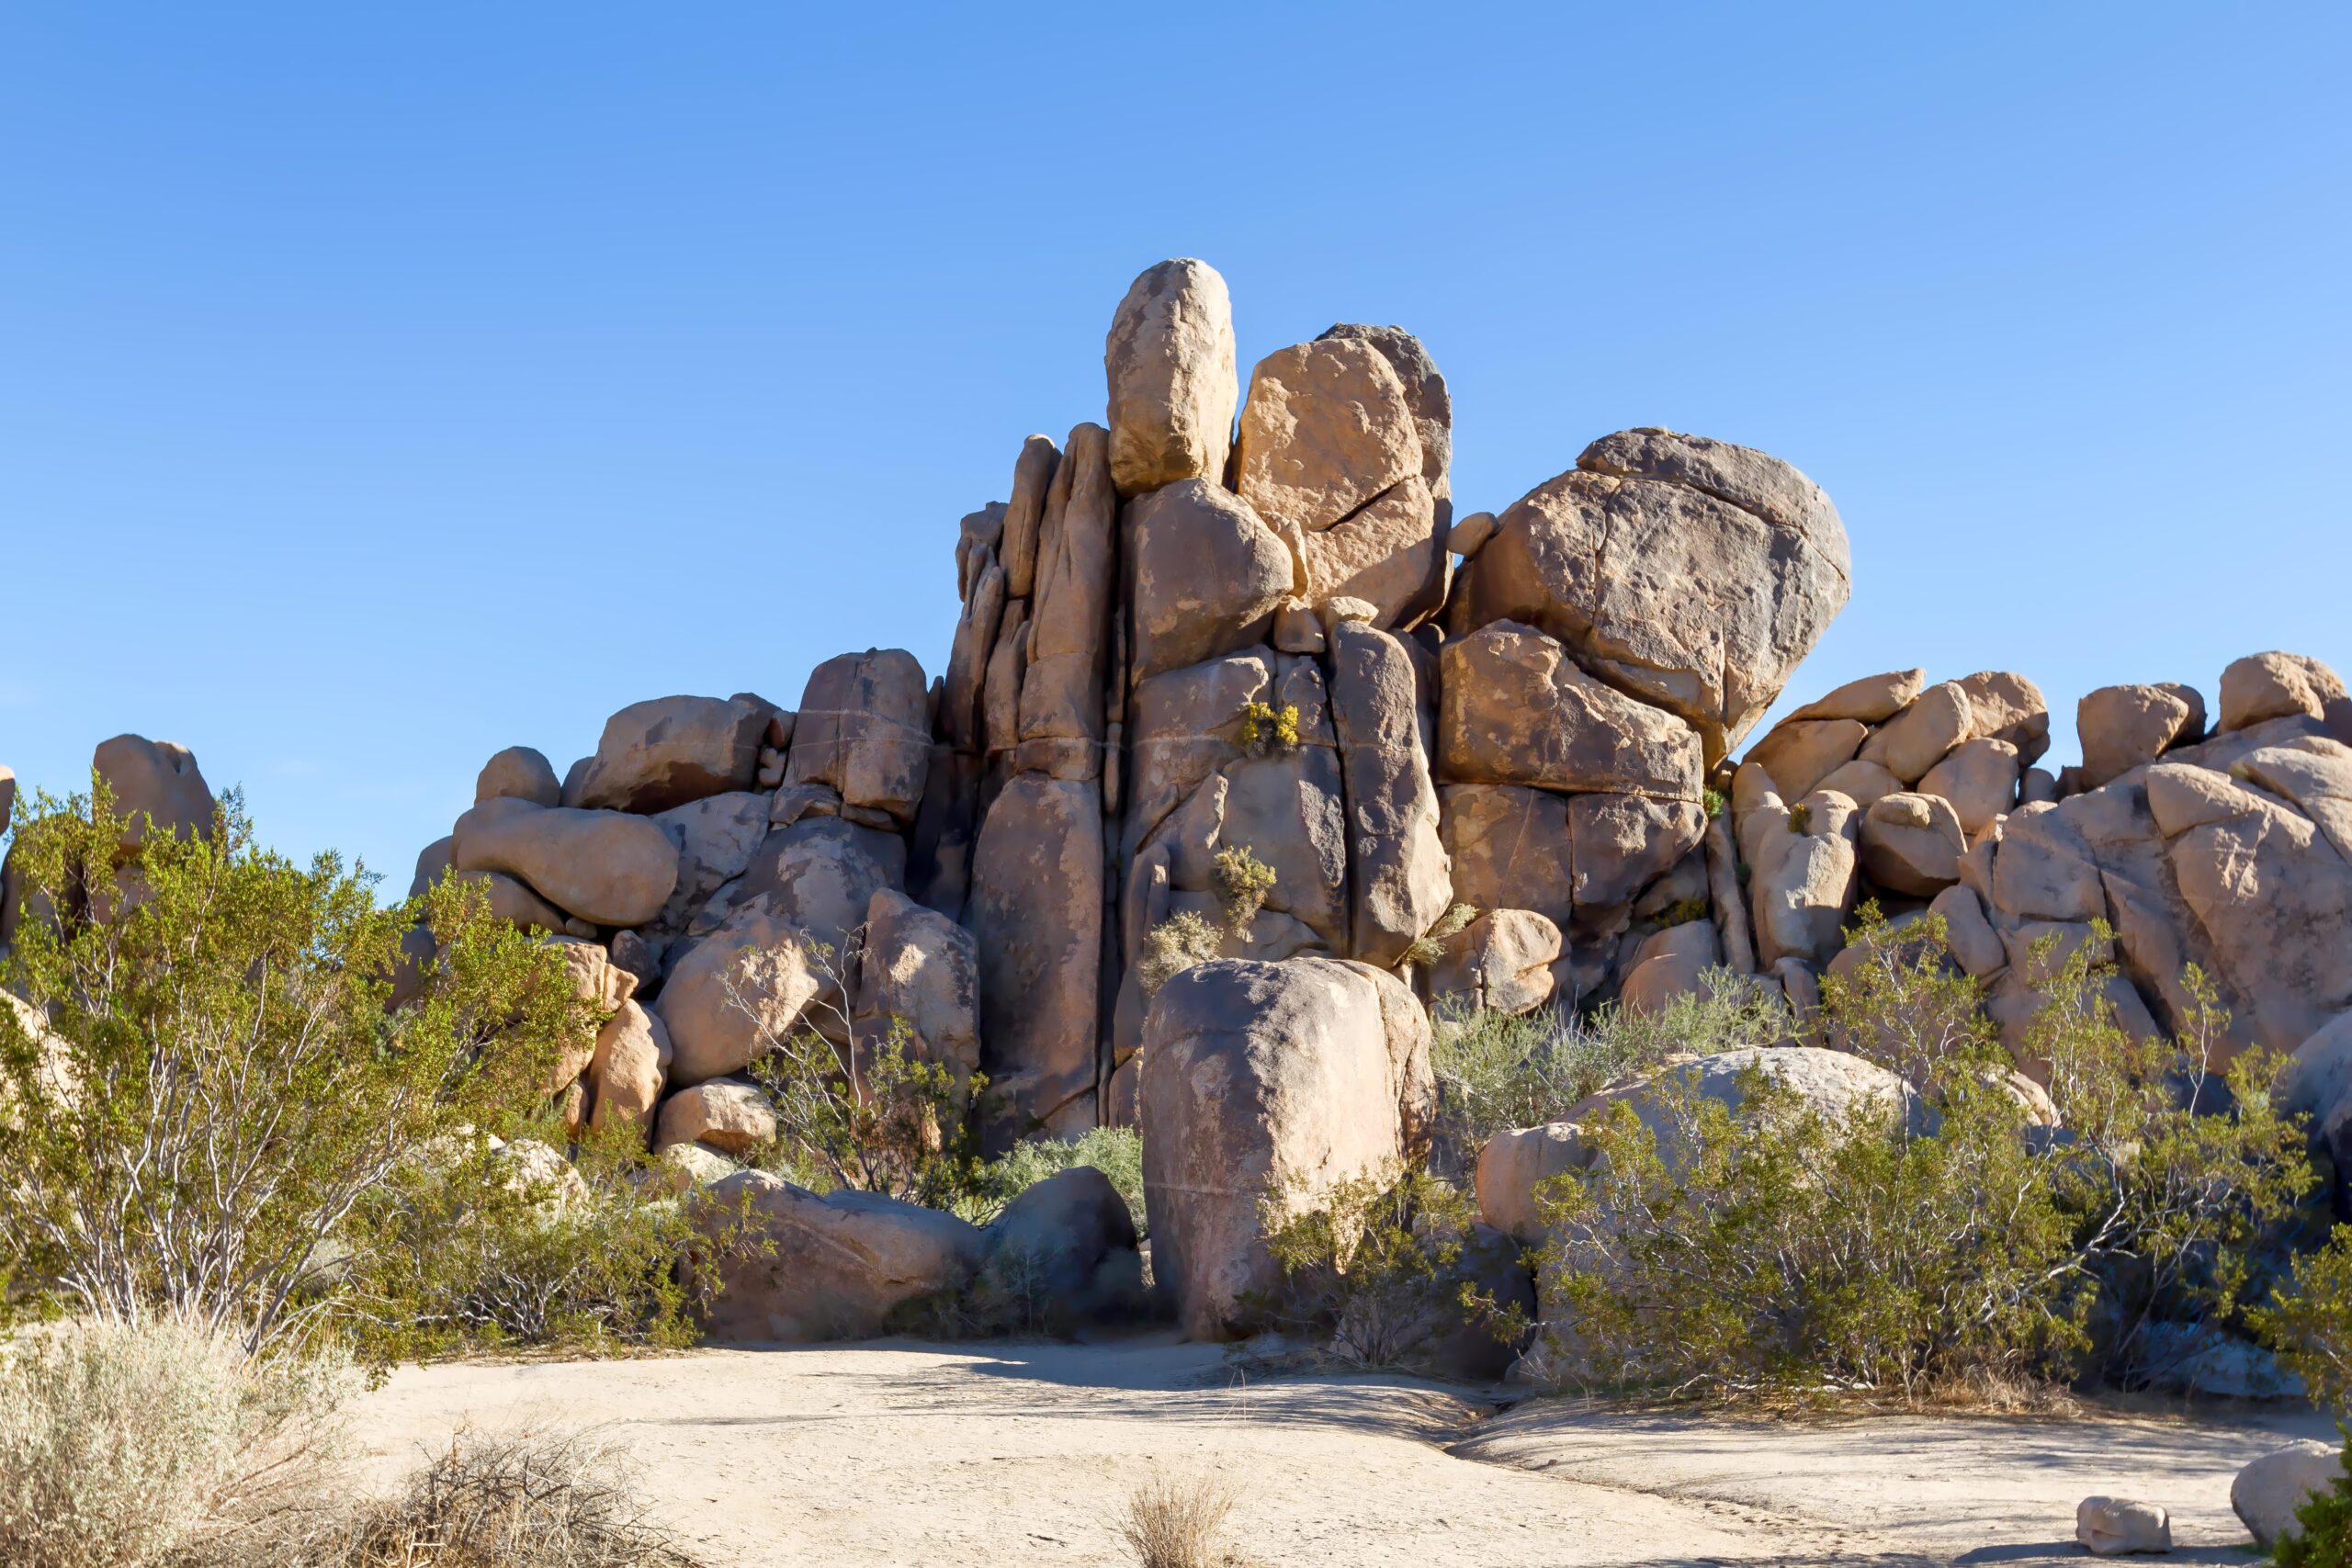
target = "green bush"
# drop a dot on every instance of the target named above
(875, 1115)
(1497, 1071)
(1242, 883)
(1174, 945)
(1116, 1151)
(210, 1081)
(2325, 1540)
(1370, 1267)
(1773, 1250)
(1429, 946)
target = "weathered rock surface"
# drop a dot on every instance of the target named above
(1799, 753)
(864, 729)
(1912, 844)
(1515, 708)
(1061, 710)
(1036, 913)
(2275, 685)
(1401, 881)
(1173, 378)
(669, 750)
(820, 873)
(1872, 699)
(608, 867)
(519, 773)
(1688, 572)
(1261, 1082)
(2114, 1527)
(756, 954)
(1670, 963)
(1917, 738)
(1425, 394)
(726, 1114)
(154, 783)
(630, 1066)
(1061, 1256)
(1501, 960)
(2005, 705)
(1511, 848)
(716, 837)
(1390, 553)
(1979, 777)
(2122, 728)
(919, 965)
(1205, 576)
(2268, 1491)
(1326, 428)
(841, 1267)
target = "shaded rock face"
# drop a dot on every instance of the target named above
(1260, 1082)
(1402, 880)
(522, 774)
(667, 751)
(1036, 915)
(1062, 1256)
(917, 966)
(1686, 572)
(846, 1266)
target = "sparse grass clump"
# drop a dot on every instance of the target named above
(122, 1446)
(1429, 946)
(1174, 945)
(1181, 1523)
(1243, 881)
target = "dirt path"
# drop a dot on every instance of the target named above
(998, 1455)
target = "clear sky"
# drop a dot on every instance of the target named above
(381, 386)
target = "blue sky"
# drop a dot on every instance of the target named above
(383, 386)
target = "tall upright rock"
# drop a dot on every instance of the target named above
(1170, 364)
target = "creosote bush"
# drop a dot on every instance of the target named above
(1370, 1267)
(1769, 1248)
(207, 1084)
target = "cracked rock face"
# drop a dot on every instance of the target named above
(1690, 573)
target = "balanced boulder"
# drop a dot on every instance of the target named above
(669, 750)
(863, 728)
(607, 867)
(1173, 378)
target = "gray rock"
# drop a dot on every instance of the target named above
(1062, 1256)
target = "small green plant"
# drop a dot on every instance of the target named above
(1242, 881)
(1371, 1265)
(876, 1118)
(1799, 818)
(1683, 912)
(1174, 945)
(1116, 1151)
(2308, 1321)
(1714, 802)
(1429, 946)
(1267, 729)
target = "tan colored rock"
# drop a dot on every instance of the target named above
(1389, 553)
(1799, 753)
(820, 874)
(1297, 629)
(1513, 1165)
(1001, 685)
(2313, 773)
(726, 1114)
(2114, 1527)
(1974, 944)
(1690, 573)
(841, 1266)
(1263, 1084)
(967, 658)
(1184, 727)
(1873, 699)
(2274, 685)
(716, 837)
(630, 1066)
(1206, 576)
(864, 729)
(1425, 393)
(1515, 708)
(2005, 705)
(2122, 728)
(154, 782)
(756, 955)
(919, 965)
(1802, 881)
(1980, 778)
(520, 773)
(1912, 844)
(1501, 960)
(1469, 534)
(433, 863)
(1400, 880)
(1670, 963)
(1326, 428)
(2267, 1493)
(669, 750)
(1062, 710)
(1861, 782)
(979, 538)
(608, 867)
(519, 907)
(1034, 474)
(1173, 374)
(1510, 848)
(1918, 738)
(1036, 911)
(1626, 842)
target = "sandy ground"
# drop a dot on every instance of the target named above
(992, 1455)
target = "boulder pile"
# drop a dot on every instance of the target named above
(1228, 665)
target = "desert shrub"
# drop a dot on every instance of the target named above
(1116, 1151)
(1682, 912)
(1242, 881)
(1369, 1266)
(1497, 1071)
(524, 1499)
(875, 1116)
(1714, 802)
(469, 1254)
(1180, 1523)
(1799, 818)
(1903, 1004)
(221, 1084)
(1266, 728)
(1772, 1249)
(1174, 945)
(2308, 1321)
(1429, 946)
(121, 1445)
